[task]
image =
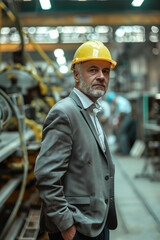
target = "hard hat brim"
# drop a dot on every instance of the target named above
(77, 60)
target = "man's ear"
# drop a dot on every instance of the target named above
(76, 75)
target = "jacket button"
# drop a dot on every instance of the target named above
(106, 200)
(106, 178)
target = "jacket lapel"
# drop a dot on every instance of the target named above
(86, 117)
(90, 124)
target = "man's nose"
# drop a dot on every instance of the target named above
(100, 74)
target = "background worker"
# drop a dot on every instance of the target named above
(74, 168)
(105, 115)
(122, 122)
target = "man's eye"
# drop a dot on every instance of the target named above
(106, 71)
(92, 69)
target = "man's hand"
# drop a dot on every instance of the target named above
(69, 233)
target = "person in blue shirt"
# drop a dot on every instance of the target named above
(105, 114)
(122, 122)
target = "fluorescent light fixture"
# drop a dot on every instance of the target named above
(32, 30)
(5, 30)
(58, 52)
(63, 69)
(61, 60)
(53, 34)
(154, 29)
(137, 3)
(102, 29)
(45, 4)
(153, 37)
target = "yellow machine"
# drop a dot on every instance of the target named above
(25, 98)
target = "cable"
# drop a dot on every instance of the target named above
(25, 172)
(5, 112)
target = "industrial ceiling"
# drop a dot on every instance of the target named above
(107, 6)
(75, 21)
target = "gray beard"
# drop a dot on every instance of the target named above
(94, 93)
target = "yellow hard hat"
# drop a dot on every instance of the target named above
(92, 50)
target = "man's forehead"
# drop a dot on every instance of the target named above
(97, 63)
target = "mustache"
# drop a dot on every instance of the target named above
(99, 82)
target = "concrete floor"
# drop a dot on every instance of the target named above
(137, 201)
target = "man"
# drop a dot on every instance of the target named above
(74, 169)
(122, 121)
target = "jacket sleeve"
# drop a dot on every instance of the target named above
(51, 164)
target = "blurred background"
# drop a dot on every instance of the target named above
(38, 40)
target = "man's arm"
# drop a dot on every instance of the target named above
(51, 165)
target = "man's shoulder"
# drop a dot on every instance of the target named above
(65, 105)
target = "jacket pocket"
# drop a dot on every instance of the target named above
(78, 200)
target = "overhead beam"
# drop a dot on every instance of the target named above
(11, 47)
(113, 19)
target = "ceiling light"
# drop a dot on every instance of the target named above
(120, 32)
(32, 30)
(137, 3)
(61, 60)
(5, 30)
(153, 37)
(42, 30)
(45, 4)
(53, 34)
(81, 29)
(102, 29)
(63, 69)
(68, 29)
(154, 29)
(58, 52)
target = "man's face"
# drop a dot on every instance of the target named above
(93, 78)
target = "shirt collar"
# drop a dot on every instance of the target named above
(86, 102)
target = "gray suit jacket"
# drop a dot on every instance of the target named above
(74, 176)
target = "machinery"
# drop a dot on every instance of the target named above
(15, 167)
(26, 95)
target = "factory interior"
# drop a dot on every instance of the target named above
(38, 40)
